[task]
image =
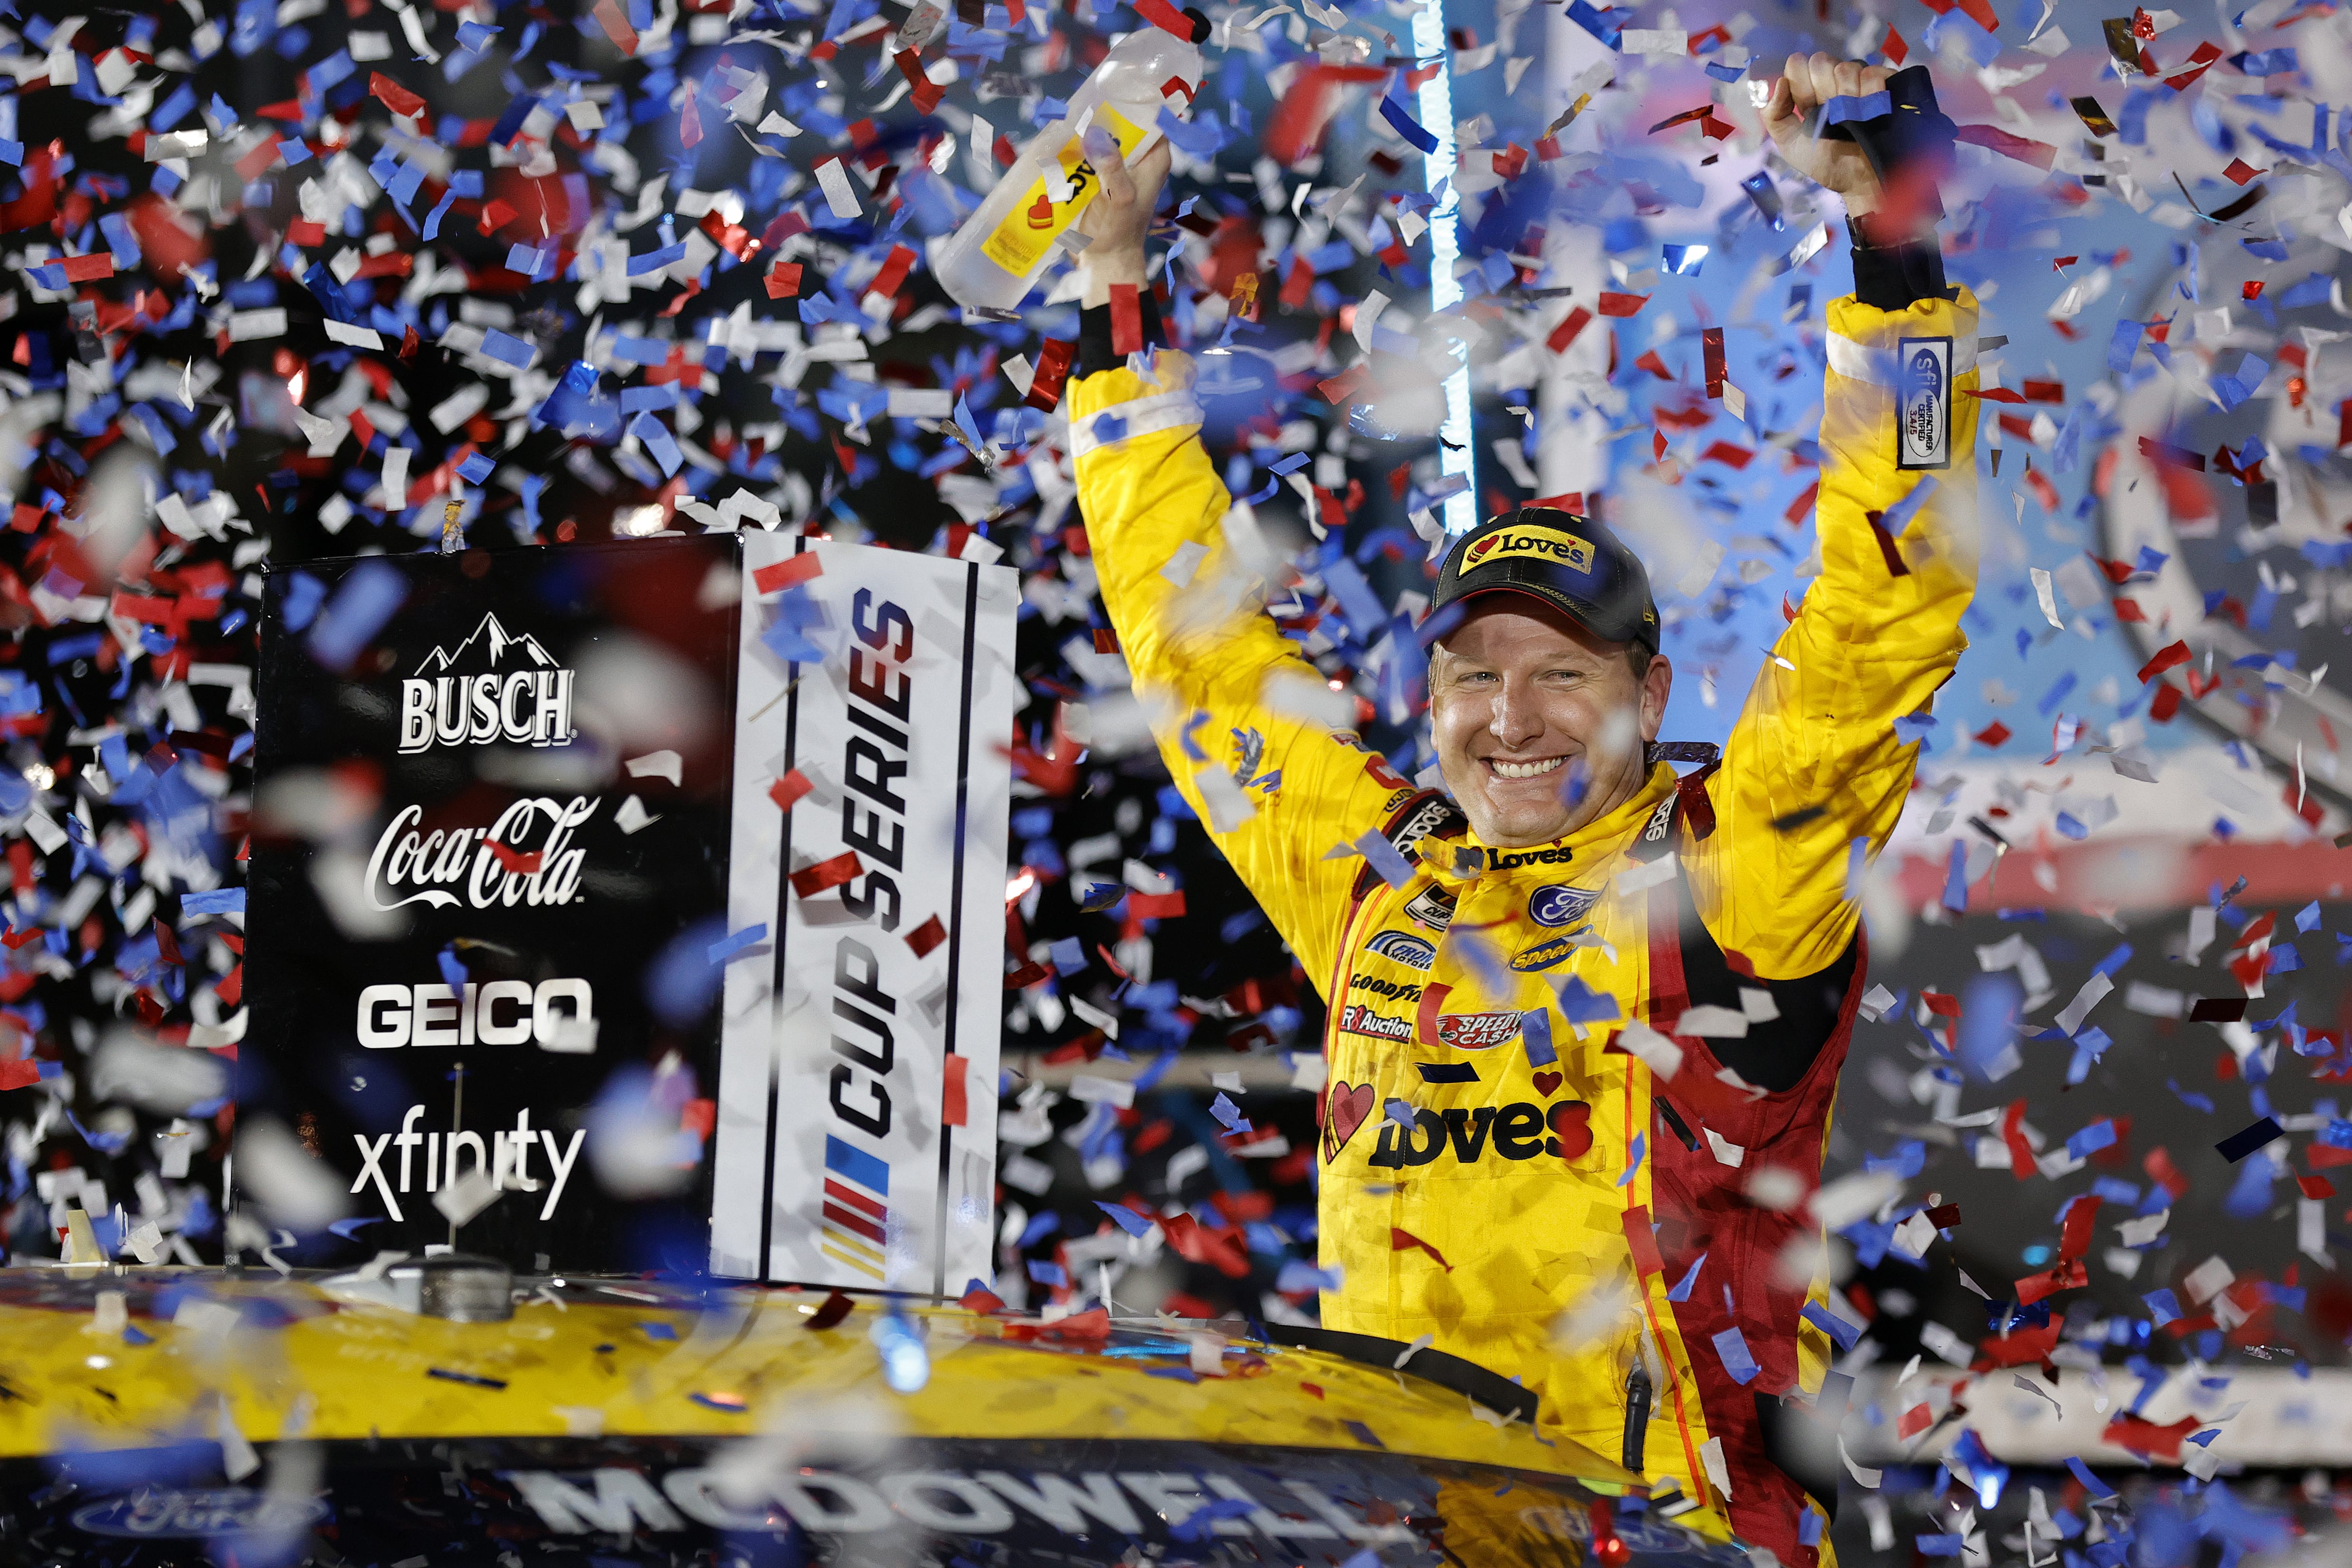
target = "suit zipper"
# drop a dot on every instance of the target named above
(1637, 1413)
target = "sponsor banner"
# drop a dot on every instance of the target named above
(488, 852)
(857, 1134)
(655, 1501)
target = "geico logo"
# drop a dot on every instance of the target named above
(1518, 1131)
(1505, 859)
(498, 1013)
(1380, 987)
(1543, 542)
(487, 865)
(528, 707)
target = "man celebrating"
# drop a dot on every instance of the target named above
(1584, 1045)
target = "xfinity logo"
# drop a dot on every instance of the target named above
(502, 865)
(527, 706)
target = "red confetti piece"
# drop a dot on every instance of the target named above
(21, 1073)
(1053, 369)
(1643, 1242)
(782, 575)
(393, 96)
(2022, 1163)
(2166, 1174)
(514, 860)
(615, 23)
(1156, 906)
(1126, 319)
(789, 789)
(980, 1300)
(1993, 734)
(1165, 17)
(1405, 1241)
(2041, 154)
(1621, 304)
(927, 936)
(954, 1098)
(811, 880)
(2145, 1437)
(1895, 50)
(689, 120)
(2169, 656)
(894, 267)
(836, 1306)
(2240, 171)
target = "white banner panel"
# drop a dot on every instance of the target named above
(886, 680)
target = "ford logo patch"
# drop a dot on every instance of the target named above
(1560, 905)
(208, 1514)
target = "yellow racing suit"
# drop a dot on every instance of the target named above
(1567, 1210)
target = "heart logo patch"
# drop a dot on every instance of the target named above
(1546, 1083)
(1344, 1111)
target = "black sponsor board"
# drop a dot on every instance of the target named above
(461, 931)
(934, 1502)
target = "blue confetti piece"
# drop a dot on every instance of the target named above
(2091, 1483)
(1844, 1333)
(1580, 1004)
(1681, 1292)
(1535, 1038)
(1847, 110)
(727, 947)
(1384, 857)
(1401, 1114)
(1126, 1218)
(1634, 1157)
(366, 598)
(220, 902)
(1228, 1114)
(1732, 1347)
(1406, 126)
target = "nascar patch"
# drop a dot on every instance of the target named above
(1922, 429)
(1432, 907)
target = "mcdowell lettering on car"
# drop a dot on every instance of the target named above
(1403, 947)
(1477, 1031)
(1558, 904)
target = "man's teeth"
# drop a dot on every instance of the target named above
(1527, 770)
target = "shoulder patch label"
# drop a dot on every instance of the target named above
(1432, 907)
(1923, 409)
(1559, 905)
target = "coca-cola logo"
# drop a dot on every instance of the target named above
(525, 857)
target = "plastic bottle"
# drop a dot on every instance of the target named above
(991, 260)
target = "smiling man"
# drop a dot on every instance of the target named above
(1587, 1014)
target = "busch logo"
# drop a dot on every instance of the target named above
(531, 706)
(489, 866)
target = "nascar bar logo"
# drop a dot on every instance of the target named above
(856, 1214)
(1548, 543)
(523, 697)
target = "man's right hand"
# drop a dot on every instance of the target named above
(1116, 222)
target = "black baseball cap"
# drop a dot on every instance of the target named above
(1572, 563)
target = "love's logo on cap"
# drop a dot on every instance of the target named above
(1548, 543)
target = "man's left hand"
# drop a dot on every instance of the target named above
(1804, 86)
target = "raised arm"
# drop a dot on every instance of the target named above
(1815, 762)
(1236, 699)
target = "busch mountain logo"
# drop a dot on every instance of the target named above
(492, 687)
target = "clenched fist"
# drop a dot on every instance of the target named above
(1804, 86)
